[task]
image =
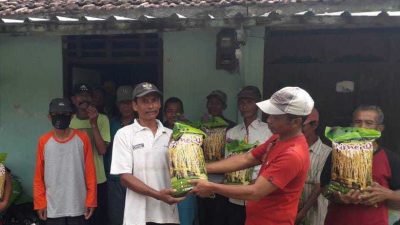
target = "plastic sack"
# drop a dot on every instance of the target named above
(352, 153)
(185, 158)
(234, 147)
(214, 143)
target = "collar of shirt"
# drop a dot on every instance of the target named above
(255, 124)
(160, 128)
(315, 148)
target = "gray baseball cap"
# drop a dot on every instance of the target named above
(60, 105)
(124, 93)
(145, 88)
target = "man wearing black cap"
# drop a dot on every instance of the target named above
(252, 130)
(140, 158)
(97, 126)
(64, 184)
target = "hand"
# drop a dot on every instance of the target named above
(166, 196)
(92, 113)
(202, 188)
(351, 197)
(42, 214)
(300, 216)
(89, 212)
(375, 194)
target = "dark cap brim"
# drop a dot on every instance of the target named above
(148, 92)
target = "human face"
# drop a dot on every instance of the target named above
(281, 124)
(309, 129)
(248, 108)
(125, 108)
(215, 107)
(147, 106)
(171, 110)
(367, 119)
(82, 100)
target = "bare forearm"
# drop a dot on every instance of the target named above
(261, 188)
(312, 199)
(242, 192)
(233, 163)
(101, 145)
(394, 200)
(138, 186)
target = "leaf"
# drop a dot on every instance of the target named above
(215, 122)
(343, 134)
(182, 128)
(239, 146)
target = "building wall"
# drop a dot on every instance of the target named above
(30, 75)
(190, 74)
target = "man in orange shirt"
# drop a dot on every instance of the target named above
(273, 198)
(64, 185)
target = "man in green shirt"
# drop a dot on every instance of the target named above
(97, 126)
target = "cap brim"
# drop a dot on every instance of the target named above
(148, 92)
(268, 108)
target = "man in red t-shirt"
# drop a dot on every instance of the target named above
(273, 198)
(371, 206)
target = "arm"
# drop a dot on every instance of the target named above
(101, 144)
(312, 199)
(39, 190)
(233, 163)
(377, 193)
(7, 192)
(138, 186)
(90, 174)
(261, 188)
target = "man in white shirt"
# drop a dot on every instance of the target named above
(251, 130)
(313, 206)
(140, 159)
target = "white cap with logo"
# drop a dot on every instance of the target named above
(288, 100)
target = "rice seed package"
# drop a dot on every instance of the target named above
(352, 152)
(3, 157)
(214, 143)
(234, 147)
(185, 157)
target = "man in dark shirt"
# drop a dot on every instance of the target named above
(369, 207)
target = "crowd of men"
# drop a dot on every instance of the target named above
(92, 170)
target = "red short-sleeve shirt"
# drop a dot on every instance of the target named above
(284, 164)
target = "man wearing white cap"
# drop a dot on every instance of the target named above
(273, 198)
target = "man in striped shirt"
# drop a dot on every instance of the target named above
(313, 205)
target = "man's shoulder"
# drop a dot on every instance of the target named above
(234, 130)
(128, 129)
(46, 136)
(103, 117)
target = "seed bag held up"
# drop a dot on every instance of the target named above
(214, 143)
(352, 153)
(185, 157)
(235, 147)
(3, 157)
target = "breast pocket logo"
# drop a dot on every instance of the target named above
(138, 146)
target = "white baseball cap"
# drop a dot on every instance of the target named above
(288, 100)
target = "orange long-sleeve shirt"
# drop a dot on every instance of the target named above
(65, 177)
